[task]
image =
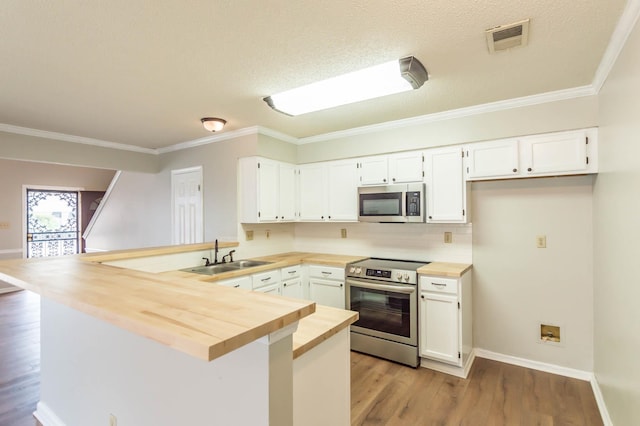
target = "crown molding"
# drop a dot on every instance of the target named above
(621, 33)
(71, 138)
(209, 139)
(542, 98)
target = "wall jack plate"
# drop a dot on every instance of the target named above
(448, 237)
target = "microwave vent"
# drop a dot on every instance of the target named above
(505, 37)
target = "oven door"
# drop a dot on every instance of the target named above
(387, 310)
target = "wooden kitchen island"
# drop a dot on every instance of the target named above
(142, 348)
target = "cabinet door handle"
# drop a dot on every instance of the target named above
(326, 273)
(341, 285)
(394, 179)
(439, 284)
(384, 180)
(529, 169)
(292, 272)
(265, 279)
(515, 170)
(236, 286)
(422, 296)
(285, 284)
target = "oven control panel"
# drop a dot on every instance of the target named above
(399, 276)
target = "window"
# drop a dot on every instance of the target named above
(52, 223)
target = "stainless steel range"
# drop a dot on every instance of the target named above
(385, 294)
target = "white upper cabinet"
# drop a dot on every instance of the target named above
(312, 181)
(406, 167)
(287, 192)
(446, 188)
(342, 190)
(554, 154)
(265, 187)
(401, 167)
(564, 152)
(492, 160)
(374, 170)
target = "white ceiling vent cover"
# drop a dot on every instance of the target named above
(507, 36)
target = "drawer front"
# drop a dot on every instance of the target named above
(266, 278)
(291, 272)
(326, 272)
(439, 285)
(242, 282)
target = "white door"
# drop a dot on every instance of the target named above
(439, 329)
(446, 194)
(268, 191)
(343, 191)
(313, 194)
(293, 288)
(406, 167)
(564, 152)
(374, 170)
(490, 160)
(287, 192)
(326, 292)
(186, 196)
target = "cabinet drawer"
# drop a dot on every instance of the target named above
(266, 278)
(326, 272)
(241, 282)
(291, 272)
(439, 285)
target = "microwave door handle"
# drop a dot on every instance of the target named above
(405, 201)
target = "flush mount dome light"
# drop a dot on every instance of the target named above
(213, 124)
(385, 79)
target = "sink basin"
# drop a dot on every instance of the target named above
(225, 267)
(211, 269)
(247, 263)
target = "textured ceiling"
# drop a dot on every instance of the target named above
(143, 72)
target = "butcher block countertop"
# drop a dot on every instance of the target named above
(203, 321)
(444, 269)
(320, 326)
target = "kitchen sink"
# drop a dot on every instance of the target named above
(219, 268)
(247, 263)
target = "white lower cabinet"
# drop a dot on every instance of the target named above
(444, 331)
(292, 282)
(240, 282)
(326, 286)
(267, 282)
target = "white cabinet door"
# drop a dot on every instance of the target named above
(446, 187)
(406, 167)
(491, 160)
(374, 170)
(287, 192)
(561, 152)
(270, 289)
(342, 191)
(268, 194)
(439, 328)
(313, 189)
(327, 292)
(293, 288)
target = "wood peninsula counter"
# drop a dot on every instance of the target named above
(163, 349)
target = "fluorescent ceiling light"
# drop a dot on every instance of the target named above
(380, 80)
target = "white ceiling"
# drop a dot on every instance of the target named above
(143, 72)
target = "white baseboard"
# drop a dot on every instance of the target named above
(554, 369)
(45, 416)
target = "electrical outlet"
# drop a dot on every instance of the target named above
(541, 241)
(448, 237)
(4, 225)
(113, 420)
(343, 233)
(550, 333)
(248, 235)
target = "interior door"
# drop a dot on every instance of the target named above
(187, 217)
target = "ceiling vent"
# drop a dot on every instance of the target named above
(507, 36)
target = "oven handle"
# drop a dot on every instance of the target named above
(394, 288)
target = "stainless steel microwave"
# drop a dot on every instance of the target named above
(392, 203)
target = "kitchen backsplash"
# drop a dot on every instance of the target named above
(401, 241)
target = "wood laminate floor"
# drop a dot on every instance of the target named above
(386, 393)
(19, 357)
(382, 392)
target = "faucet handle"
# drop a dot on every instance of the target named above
(231, 255)
(207, 261)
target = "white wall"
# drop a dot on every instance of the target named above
(136, 214)
(616, 234)
(516, 285)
